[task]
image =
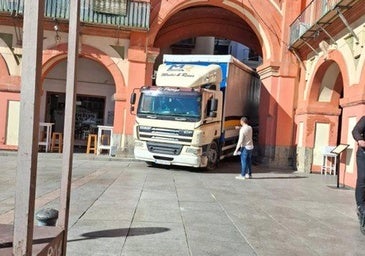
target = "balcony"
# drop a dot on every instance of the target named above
(322, 20)
(115, 13)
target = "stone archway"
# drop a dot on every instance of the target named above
(258, 24)
(231, 19)
(9, 104)
(7, 60)
(52, 57)
(324, 101)
(320, 118)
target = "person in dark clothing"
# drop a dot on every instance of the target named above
(359, 135)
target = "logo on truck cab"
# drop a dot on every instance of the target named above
(180, 67)
(178, 70)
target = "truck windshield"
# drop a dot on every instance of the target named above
(170, 105)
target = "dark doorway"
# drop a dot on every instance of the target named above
(89, 114)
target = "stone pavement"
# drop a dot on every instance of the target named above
(120, 206)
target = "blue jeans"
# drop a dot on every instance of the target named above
(246, 161)
(360, 182)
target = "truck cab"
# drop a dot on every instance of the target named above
(178, 119)
(188, 118)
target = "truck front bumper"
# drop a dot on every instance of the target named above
(185, 158)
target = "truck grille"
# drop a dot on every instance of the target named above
(164, 148)
(165, 134)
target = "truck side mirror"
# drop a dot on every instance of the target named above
(132, 100)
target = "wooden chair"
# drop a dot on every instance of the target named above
(56, 143)
(92, 142)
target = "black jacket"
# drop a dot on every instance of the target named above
(359, 130)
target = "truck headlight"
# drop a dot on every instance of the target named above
(195, 151)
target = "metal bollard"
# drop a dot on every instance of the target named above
(47, 217)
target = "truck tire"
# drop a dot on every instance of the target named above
(212, 154)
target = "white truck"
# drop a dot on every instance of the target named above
(189, 117)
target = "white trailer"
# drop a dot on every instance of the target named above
(189, 117)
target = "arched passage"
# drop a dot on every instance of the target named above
(100, 85)
(207, 21)
(320, 123)
(54, 55)
(172, 21)
(326, 86)
(9, 105)
(257, 24)
(324, 100)
(7, 59)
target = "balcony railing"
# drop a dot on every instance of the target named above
(137, 16)
(310, 16)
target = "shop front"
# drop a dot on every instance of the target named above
(94, 101)
(90, 112)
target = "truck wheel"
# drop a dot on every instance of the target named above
(212, 154)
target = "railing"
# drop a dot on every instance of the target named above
(137, 16)
(311, 14)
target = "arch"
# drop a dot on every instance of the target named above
(54, 55)
(341, 83)
(165, 11)
(8, 82)
(7, 57)
(4, 72)
(323, 115)
(205, 24)
(338, 57)
(326, 84)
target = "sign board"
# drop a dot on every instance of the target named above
(338, 149)
(116, 7)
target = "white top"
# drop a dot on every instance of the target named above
(245, 137)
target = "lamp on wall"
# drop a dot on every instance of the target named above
(324, 46)
(56, 29)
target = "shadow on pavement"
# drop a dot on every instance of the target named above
(228, 165)
(340, 187)
(119, 232)
(279, 178)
